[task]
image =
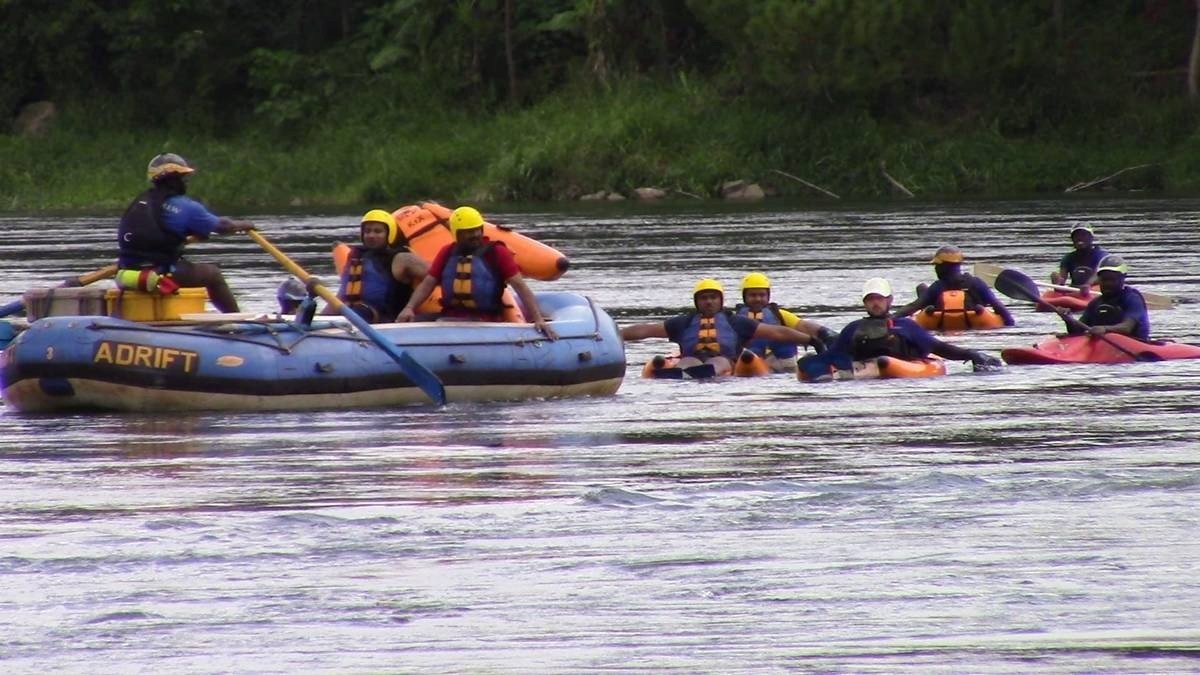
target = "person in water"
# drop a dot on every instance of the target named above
(756, 304)
(1118, 308)
(712, 334)
(954, 289)
(473, 272)
(880, 334)
(378, 279)
(1078, 266)
(157, 224)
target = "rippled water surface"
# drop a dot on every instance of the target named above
(1035, 519)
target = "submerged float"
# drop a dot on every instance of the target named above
(878, 368)
(233, 363)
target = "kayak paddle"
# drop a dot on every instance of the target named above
(412, 369)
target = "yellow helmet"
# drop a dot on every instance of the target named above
(165, 164)
(756, 280)
(947, 254)
(708, 285)
(465, 218)
(381, 216)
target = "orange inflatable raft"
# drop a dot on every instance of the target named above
(666, 367)
(749, 364)
(426, 226)
(962, 319)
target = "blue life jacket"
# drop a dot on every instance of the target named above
(368, 285)
(762, 346)
(705, 338)
(1110, 311)
(469, 282)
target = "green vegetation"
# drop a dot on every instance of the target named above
(390, 101)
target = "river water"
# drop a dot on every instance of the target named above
(1038, 518)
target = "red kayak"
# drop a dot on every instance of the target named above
(1110, 348)
(1076, 301)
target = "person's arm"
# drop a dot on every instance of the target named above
(792, 320)
(784, 334)
(989, 298)
(641, 331)
(926, 298)
(1064, 269)
(531, 305)
(227, 225)
(419, 295)
(409, 268)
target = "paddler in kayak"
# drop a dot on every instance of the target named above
(880, 334)
(712, 334)
(1118, 308)
(378, 278)
(954, 289)
(1078, 267)
(756, 304)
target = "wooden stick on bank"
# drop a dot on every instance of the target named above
(895, 183)
(818, 188)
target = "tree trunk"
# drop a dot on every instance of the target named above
(596, 27)
(513, 94)
(1194, 61)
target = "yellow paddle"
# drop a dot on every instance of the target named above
(421, 376)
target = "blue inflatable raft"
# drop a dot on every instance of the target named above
(102, 363)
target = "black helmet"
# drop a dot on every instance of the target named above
(1113, 263)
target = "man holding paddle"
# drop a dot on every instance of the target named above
(1078, 266)
(1118, 308)
(156, 226)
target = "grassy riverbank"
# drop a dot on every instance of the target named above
(686, 138)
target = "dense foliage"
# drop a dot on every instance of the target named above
(291, 74)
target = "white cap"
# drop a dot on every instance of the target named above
(877, 286)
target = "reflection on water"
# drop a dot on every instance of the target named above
(1039, 517)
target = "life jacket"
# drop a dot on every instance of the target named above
(874, 337)
(143, 239)
(469, 282)
(1081, 265)
(708, 337)
(953, 300)
(1110, 311)
(761, 346)
(369, 287)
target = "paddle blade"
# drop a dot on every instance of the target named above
(424, 378)
(1014, 284)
